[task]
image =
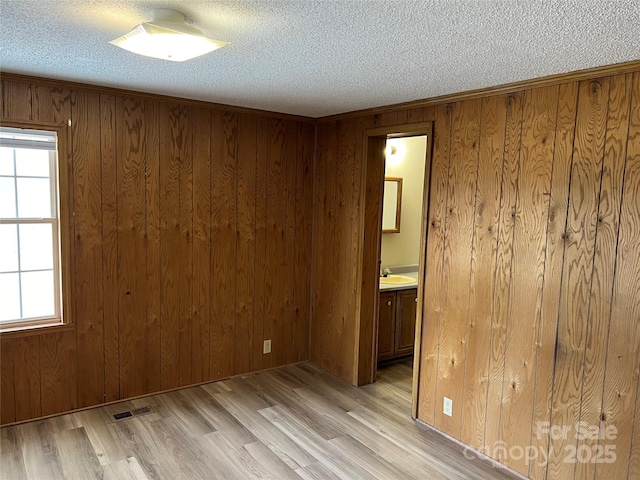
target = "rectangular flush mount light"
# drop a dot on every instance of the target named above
(168, 37)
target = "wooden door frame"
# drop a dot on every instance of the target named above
(367, 293)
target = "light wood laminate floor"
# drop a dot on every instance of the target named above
(294, 422)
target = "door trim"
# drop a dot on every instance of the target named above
(369, 251)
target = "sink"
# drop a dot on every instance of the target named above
(396, 280)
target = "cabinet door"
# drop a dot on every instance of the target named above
(406, 308)
(387, 325)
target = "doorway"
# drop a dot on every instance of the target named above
(369, 308)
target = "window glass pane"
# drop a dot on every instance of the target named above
(8, 248)
(9, 297)
(36, 246)
(7, 198)
(34, 198)
(32, 163)
(37, 294)
(6, 161)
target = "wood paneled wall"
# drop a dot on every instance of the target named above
(192, 230)
(532, 291)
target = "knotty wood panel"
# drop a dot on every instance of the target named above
(623, 349)
(615, 154)
(561, 257)
(504, 257)
(459, 220)
(556, 221)
(153, 183)
(527, 268)
(578, 265)
(487, 209)
(430, 341)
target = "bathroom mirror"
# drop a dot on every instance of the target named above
(391, 205)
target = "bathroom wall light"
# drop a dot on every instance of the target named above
(395, 150)
(167, 37)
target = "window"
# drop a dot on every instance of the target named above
(30, 274)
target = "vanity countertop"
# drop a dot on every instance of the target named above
(407, 286)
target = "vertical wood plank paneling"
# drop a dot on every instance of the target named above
(109, 247)
(223, 280)
(355, 186)
(169, 245)
(201, 362)
(59, 381)
(433, 289)
(7, 383)
(369, 305)
(344, 306)
(261, 241)
(502, 277)
(623, 350)
(302, 256)
(16, 100)
(633, 151)
(289, 272)
(87, 206)
(634, 461)
(465, 131)
(143, 191)
(275, 273)
(131, 155)
(318, 299)
(584, 192)
(487, 209)
(152, 246)
(26, 377)
(527, 269)
(596, 335)
(51, 104)
(246, 243)
(556, 221)
(349, 163)
(183, 150)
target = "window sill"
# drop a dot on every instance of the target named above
(36, 329)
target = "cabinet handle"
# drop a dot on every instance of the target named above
(389, 303)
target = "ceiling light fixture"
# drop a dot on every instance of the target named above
(167, 37)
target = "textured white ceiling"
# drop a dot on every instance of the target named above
(318, 58)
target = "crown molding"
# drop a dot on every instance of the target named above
(605, 71)
(16, 77)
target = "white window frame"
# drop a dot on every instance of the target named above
(59, 222)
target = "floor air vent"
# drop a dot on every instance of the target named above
(131, 413)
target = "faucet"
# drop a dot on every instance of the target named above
(385, 272)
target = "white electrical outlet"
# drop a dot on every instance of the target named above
(266, 348)
(448, 406)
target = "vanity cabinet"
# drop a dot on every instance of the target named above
(397, 322)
